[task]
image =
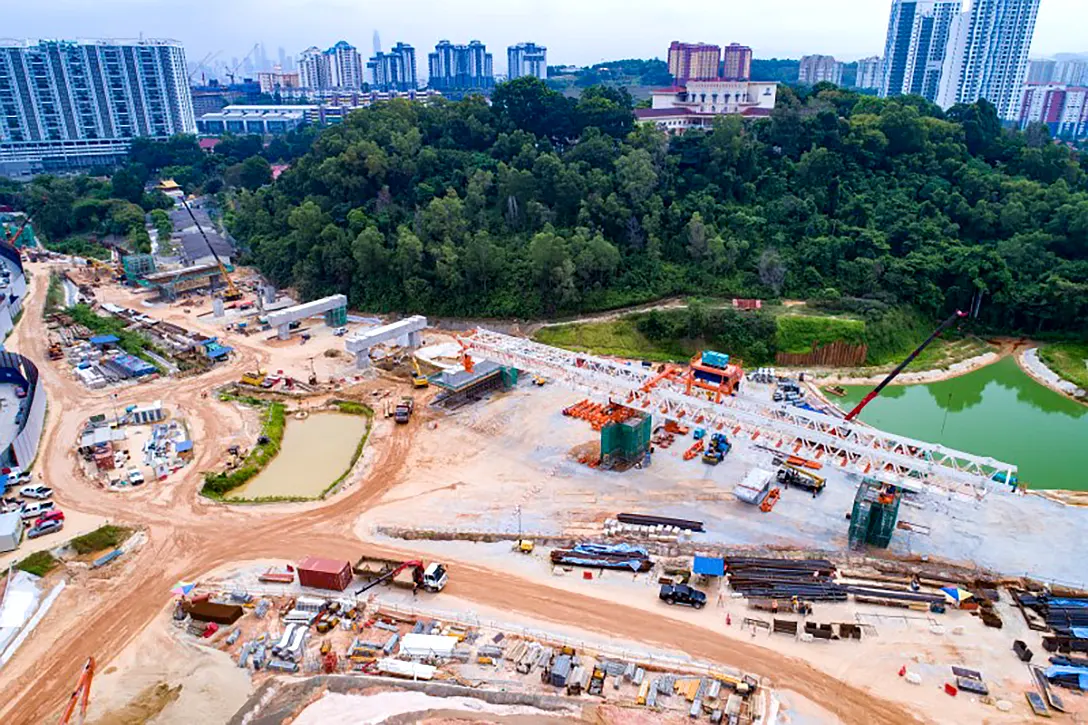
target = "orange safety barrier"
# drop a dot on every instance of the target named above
(695, 450)
(772, 498)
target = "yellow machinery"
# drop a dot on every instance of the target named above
(233, 294)
(525, 546)
(419, 380)
(254, 379)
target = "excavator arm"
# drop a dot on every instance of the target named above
(80, 695)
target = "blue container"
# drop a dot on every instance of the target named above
(715, 359)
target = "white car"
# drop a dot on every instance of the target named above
(32, 511)
(39, 492)
(135, 476)
(17, 478)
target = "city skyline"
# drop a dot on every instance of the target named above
(569, 30)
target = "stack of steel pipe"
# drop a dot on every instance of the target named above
(882, 593)
(651, 520)
(1062, 614)
(808, 579)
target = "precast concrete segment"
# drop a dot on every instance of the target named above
(282, 319)
(789, 429)
(409, 330)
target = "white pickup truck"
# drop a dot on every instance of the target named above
(37, 491)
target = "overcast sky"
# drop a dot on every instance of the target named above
(575, 31)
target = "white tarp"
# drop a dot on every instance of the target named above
(427, 645)
(400, 668)
(754, 485)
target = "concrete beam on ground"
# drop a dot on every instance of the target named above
(409, 329)
(282, 319)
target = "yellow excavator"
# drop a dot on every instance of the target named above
(419, 380)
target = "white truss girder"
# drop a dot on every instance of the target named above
(855, 447)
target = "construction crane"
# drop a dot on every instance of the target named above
(909, 359)
(231, 73)
(80, 695)
(781, 428)
(13, 238)
(233, 293)
(203, 63)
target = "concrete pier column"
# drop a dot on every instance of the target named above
(362, 359)
(283, 332)
(415, 339)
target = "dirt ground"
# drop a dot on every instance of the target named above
(106, 613)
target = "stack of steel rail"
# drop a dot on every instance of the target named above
(807, 579)
(1065, 615)
(604, 556)
(651, 520)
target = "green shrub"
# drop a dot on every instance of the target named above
(798, 333)
(39, 563)
(104, 537)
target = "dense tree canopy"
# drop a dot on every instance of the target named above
(539, 204)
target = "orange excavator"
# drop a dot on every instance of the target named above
(80, 695)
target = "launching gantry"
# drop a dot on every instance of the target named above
(853, 447)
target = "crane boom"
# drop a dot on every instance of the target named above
(232, 293)
(417, 576)
(909, 359)
(81, 695)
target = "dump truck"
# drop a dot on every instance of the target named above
(403, 412)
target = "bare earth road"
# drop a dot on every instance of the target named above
(187, 536)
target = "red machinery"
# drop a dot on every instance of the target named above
(81, 694)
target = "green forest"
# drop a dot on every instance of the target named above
(539, 204)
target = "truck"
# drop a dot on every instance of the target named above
(255, 379)
(403, 412)
(682, 594)
(799, 478)
(432, 577)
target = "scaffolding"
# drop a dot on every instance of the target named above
(625, 441)
(876, 510)
(137, 266)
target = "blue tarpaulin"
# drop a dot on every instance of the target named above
(183, 446)
(1068, 674)
(1060, 602)
(596, 549)
(708, 566)
(1079, 632)
(105, 340)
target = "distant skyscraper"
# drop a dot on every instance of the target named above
(918, 32)
(339, 67)
(693, 61)
(819, 69)
(736, 62)
(281, 59)
(460, 67)
(1071, 72)
(67, 104)
(870, 73)
(527, 59)
(377, 42)
(988, 55)
(1040, 71)
(395, 70)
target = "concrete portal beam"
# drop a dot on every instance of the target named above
(409, 330)
(282, 319)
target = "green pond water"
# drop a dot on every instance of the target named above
(994, 411)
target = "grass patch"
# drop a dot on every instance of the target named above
(1068, 360)
(621, 338)
(104, 537)
(79, 247)
(54, 294)
(39, 563)
(796, 334)
(131, 342)
(218, 484)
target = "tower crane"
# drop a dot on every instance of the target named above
(231, 73)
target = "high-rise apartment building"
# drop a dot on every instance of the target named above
(870, 73)
(1071, 72)
(527, 59)
(395, 70)
(67, 104)
(460, 67)
(918, 33)
(1040, 71)
(1062, 108)
(339, 67)
(819, 69)
(693, 61)
(988, 55)
(277, 80)
(736, 62)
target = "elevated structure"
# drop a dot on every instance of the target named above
(335, 309)
(22, 415)
(171, 283)
(855, 448)
(406, 332)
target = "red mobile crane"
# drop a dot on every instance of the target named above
(433, 578)
(81, 694)
(917, 351)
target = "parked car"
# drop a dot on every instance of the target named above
(46, 528)
(54, 515)
(10, 505)
(32, 511)
(340, 331)
(682, 594)
(135, 476)
(18, 477)
(38, 491)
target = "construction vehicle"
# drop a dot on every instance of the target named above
(81, 695)
(403, 412)
(539, 381)
(792, 476)
(525, 546)
(432, 577)
(254, 379)
(232, 294)
(419, 380)
(910, 358)
(717, 450)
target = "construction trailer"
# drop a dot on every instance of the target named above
(206, 611)
(11, 531)
(875, 513)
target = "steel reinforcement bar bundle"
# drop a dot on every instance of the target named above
(808, 579)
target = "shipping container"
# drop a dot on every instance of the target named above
(211, 612)
(334, 574)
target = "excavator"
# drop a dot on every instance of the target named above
(80, 695)
(419, 380)
(233, 294)
(433, 577)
